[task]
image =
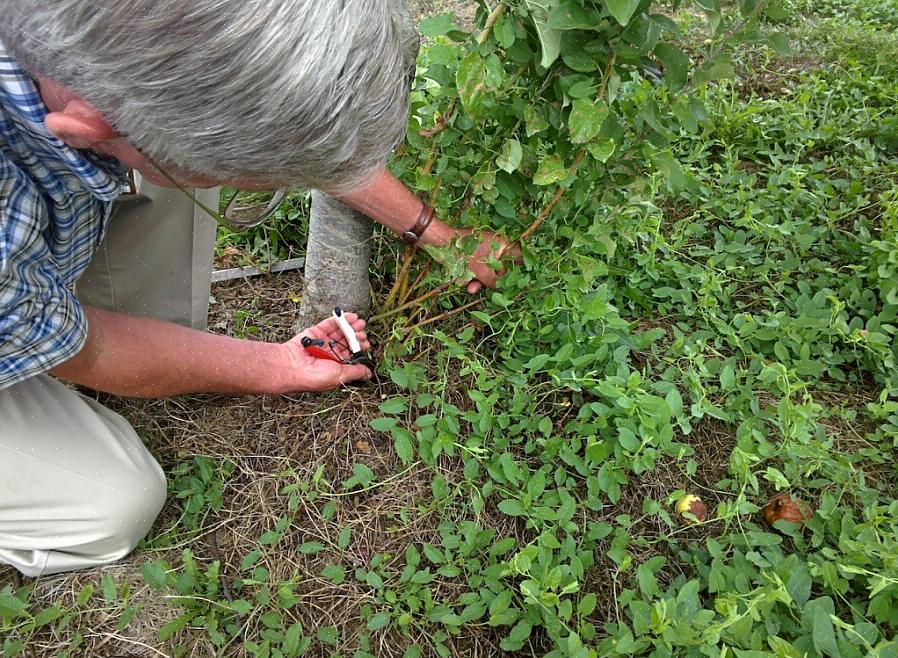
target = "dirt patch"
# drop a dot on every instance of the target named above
(464, 11)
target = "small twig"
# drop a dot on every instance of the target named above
(216, 553)
(414, 313)
(548, 209)
(121, 638)
(443, 316)
(403, 287)
(403, 275)
(490, 22)
(417, 300)
(609, 68)
(412, 317)
(428, 165)
(417, 281)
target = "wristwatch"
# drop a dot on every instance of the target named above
(425, 217)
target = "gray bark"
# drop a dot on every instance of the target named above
(337, 257)
(339, 247)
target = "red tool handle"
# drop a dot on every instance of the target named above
(321, 353)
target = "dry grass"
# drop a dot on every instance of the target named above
(463, 10)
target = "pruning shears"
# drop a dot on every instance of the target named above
(321, 349)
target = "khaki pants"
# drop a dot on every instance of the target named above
(77, 486)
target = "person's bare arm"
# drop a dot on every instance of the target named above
(143, 357)
(387, 201)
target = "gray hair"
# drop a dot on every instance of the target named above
(306, 93)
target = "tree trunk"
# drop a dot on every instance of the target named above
(339, 247)
(337, 257)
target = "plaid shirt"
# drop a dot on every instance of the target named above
(55, 203)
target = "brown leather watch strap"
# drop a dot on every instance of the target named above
(425, 217)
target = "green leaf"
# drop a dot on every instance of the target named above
(241, 606)
(518, 635)
(175, 625)
(155, 573)
(108, 587)
(512, 507)
(727, 378)
(551, 170)
(402, 443)
(344, 537)
(292, 638)
(362, 476)
(549, 38)
(572, 16)
(674, 401)
(47, 615)
(250, 559)
(582, 89)
(622, 10)
(328, 634)
(383, 423)
(509, 158)
(535, 120)
(504, 32)
(438, 26)
(782, 648)
(374, 580)
(721, 67)
(334, 573)
(502, 546)
(602, 150)
(473, 611)
(823, 634)
(501, 601)
(311, 547)
(378, 621)
(628, 440)
(671, 170)
(394, 406)
(269, 537)
(476, 78)
(779, 43)
(676, 65)
(587, 604)
(586, 119)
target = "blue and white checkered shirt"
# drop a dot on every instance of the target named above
(55, 203)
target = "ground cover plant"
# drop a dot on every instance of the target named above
(708, 308)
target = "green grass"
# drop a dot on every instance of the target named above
(726, 328)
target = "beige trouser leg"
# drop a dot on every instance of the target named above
(156, 260)
(77, 486)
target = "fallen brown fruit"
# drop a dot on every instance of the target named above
(782, 507)
(694, 505)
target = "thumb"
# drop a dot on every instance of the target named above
(473, 286)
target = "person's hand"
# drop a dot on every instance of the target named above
(495, 246)
(312, 374)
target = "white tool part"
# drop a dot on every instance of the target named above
(347, 330)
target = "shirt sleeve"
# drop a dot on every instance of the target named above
(42, 324)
